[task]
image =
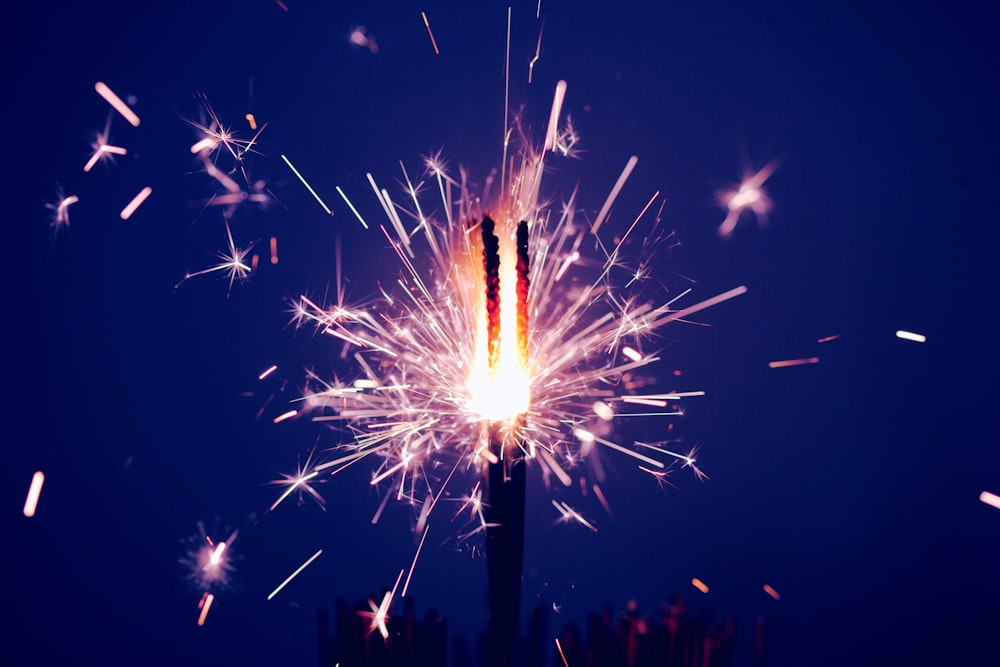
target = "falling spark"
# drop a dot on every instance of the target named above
(985, 496)
(351, 206)
(603, 214)
(827, 339)
(35, 490)
(770, 591)
(287, 415)
(433, 42)
(135, 203)
(749, 195)
(252, 121)
(116, 102)
(266, 373)
(274, 250)
(557, 101)
(308, 187)
(909, 335)
(205, 604)
(558, 645)
(233, 263)
(699, 584)
(294, 574)
(793, 362)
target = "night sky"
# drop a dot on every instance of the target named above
(851, 486)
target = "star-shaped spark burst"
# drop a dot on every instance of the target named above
(305, 474)
(748, 195)
(233, 263)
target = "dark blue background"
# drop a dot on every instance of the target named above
(850, 486)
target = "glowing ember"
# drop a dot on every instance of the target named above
(34, 491)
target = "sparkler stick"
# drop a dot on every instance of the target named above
(504, 470)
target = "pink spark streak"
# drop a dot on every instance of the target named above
(35, 490)
(989, 498)
(135, 203)
(116, 102)
(793, 362)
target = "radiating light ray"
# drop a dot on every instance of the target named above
(909, 335)
(615, 191)
(308, 187)
(430, 34)
(205, 604)
(294, 574)
(34, 491)
(117, 103)
(136, 202)
(351, 206)
(793, 362)
(990, 499)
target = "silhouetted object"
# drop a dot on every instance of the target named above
(326, 647)
(758, 642)
(536, 645)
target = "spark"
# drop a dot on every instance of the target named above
(268, 371)
(827, 339)
(699, 584)
(285, 416)
(569, 514)
(294, 574)
(117, 103)
(233, 263)
(558, 645)
(415, 556)
(749, 195)
(380, 612)
(136, 202)
(34, 491)
(351, 206)
(538, 49)
(308, 187)
(909, 335)
(100, 150)
(252, 121)
(431, 34)
(206, 144)
(770, 591)
(208, 565)
(274, 250)
(793, 362)
(619, 184)
(986, 497)
(60, 211)
(205, 604)
(551, 134)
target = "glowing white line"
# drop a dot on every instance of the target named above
(308, 187)
(267, 372)
(433, 41)
(793, 362)
(629, 166)
(135, 203)
(557, 102)
(414, 563)
(353, 210)
(631, 353)
(116, 102)
(287, 415)
(909, 335)
(294, 574)
(35, 490)
(986, 497)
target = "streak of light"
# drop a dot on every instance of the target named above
(414, 563)
(35, 490)
(254, 261)
(603, 410)
(433, 41)
(294, 574)
(770, 591)
(217, 554)
(274, 250)
(62, 211)
(135, 203)
(296, 482)
(629, 166)
(286, 415)
(986, 497)
(699, 584)
(827, 339)
(102, 150)
(116, 102)
(555, 468)
(558, 645)
(538, 49)
(208, 143)
(587, 436)
(252, 121)
(641, 400)
(557, 102)
(568, 513)
(793, 362)
(266, 373)
(205, 604)
(351, 206)
(308, 187)
(602, 499)
(909, 335)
